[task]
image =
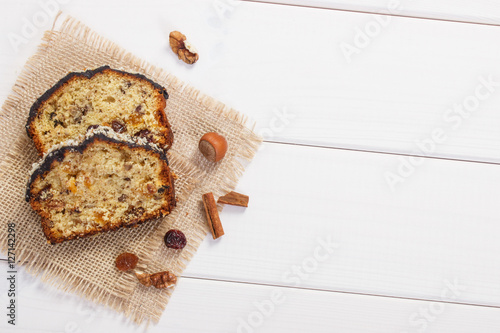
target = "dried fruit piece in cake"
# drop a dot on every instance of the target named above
(128, 103)
(101, 184)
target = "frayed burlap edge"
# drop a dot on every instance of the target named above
(64, 280)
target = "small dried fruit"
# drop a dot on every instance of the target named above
(92, 127)
(213, 146)
(122, 198)
(175, 239)
(71, 184)
(184, 50)
(118, 126)
(126, 261)
(145, 134)
(163, 189)
(235, 199)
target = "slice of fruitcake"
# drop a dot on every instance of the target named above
(103, 183)
(128, 103)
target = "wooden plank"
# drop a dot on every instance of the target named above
(399, 85)
(436, 228)
(214, 306)
(482, 11)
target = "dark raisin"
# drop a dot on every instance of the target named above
(92, 127)
(175, 239)
(123, 197)
(145, 134)
(75, 210)
(52, 115)
(118, 126)
(58, 123)
(127, 179)
(134, 212)
(138, 109)
(126, 261)
(85, 109)
(163, 189)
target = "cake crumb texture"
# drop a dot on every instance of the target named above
(102, 184)
(128, 103)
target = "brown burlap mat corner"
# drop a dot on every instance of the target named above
(86, 266)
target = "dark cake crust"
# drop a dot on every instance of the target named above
(59, 155)
(34, 110)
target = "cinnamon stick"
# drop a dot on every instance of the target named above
(212, 215)
(235, 199)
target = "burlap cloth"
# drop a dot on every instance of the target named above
(86, 266)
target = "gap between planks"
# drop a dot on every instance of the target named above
(332, 291)
(373, 12)
(341, 292)
(381, 152)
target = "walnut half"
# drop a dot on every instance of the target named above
(184, 50)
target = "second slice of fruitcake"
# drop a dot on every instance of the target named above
(128, 103)
(101, 184)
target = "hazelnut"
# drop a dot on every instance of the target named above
(213, 146)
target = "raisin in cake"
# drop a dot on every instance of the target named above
(103, 183)
(129, 103)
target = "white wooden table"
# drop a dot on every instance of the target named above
(374, 198)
